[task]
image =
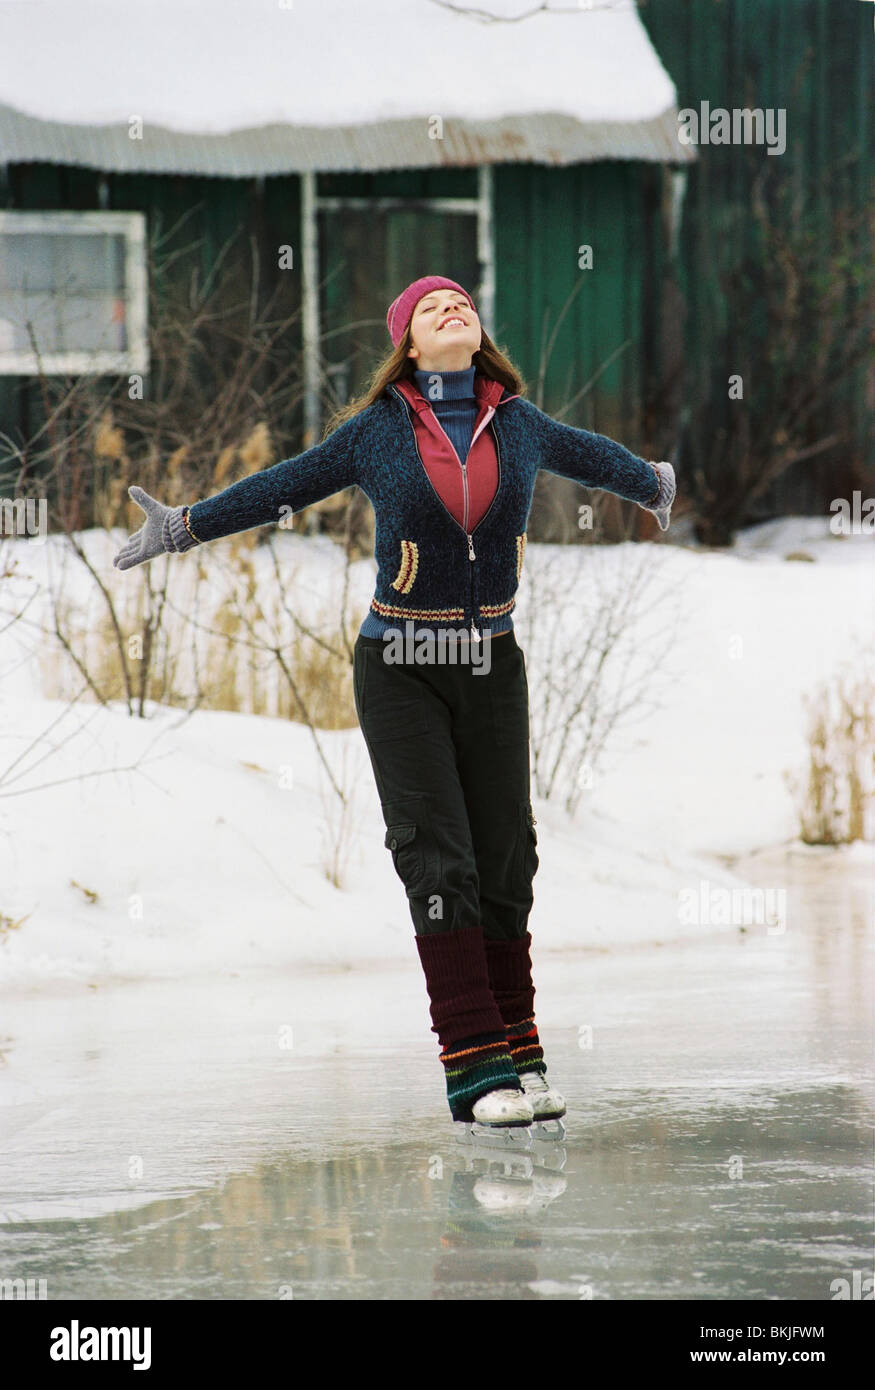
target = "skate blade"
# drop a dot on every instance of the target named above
(515, 1137)
(549, 1131)
(486, 1160)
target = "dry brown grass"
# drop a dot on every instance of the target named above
(836, 796)
(212, 650)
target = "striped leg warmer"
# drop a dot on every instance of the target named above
(474, 1046)
(510, 979)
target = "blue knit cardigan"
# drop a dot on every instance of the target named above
(429, 569)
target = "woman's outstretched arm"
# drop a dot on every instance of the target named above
(598, 461)
(261, 498)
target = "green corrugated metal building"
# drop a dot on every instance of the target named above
(639, 345)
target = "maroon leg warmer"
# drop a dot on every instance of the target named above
(510, 979)
(475, 1052)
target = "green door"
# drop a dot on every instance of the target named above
(367, 255)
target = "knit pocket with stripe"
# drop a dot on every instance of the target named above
(403, 580)
(520, 553)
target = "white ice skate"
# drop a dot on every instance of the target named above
(504, 1107)
(548, 1107)
(502, 1116)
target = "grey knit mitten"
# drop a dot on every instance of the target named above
(662, 502)
(163, 530)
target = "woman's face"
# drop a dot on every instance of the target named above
(439, 340)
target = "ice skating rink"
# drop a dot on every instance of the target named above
(255, 1137)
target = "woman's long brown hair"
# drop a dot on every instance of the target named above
(488, 360)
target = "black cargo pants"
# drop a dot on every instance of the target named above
(450, 753)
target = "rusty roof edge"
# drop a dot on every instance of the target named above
(543, 138)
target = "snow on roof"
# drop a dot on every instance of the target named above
(212, 67)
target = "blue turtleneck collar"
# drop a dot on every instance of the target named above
(456, 386)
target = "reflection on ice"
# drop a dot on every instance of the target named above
(156, 1143)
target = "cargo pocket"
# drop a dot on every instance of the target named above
(415, 852)
(527, 861)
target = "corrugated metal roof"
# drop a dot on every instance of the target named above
(229, 88)
(282, 149)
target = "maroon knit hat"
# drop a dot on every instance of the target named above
(401, 309)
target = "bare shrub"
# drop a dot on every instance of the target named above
(598, 625)
(340, 804)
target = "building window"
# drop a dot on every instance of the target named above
(72, 293)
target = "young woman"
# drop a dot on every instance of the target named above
(447, 449)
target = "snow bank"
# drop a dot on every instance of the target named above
(210, 856)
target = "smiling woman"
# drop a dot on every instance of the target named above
(447, 450)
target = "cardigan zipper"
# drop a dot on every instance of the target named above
(464, 468)
(475, 635)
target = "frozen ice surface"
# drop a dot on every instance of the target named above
(260, 1135)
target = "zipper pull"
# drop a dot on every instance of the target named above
(471, 555)
(475, 635)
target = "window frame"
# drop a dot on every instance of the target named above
(83, 361)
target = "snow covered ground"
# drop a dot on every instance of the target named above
(202, 860)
